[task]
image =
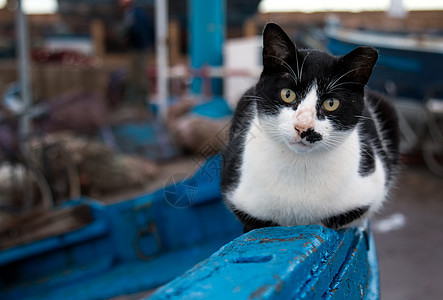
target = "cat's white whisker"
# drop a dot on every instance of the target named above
(288, 67)
(303, 63)
(365, 117)
(332, 84)
(298, 70)
(337, 86)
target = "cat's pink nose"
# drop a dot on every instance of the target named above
(304, 120)
(300, 128)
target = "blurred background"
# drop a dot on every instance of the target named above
(105, 102)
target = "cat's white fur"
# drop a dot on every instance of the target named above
(291, 182)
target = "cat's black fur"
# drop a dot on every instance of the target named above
(341, 77)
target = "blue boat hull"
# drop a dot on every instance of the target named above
(132, 246)
(143, 243)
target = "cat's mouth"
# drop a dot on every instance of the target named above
(300, 145)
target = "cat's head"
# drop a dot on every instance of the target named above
(308, 99)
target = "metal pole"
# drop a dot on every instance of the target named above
(161, 26)
(24, 67)
(206, 38)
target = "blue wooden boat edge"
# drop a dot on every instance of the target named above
(304, 262)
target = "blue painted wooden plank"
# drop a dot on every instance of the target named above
(93, 230)
(352, 280)
(305, 262)
(42, 287)
(373, 291)
(127, 278)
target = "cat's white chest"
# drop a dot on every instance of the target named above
(295, 189)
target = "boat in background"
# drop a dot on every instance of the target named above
(409, 66)
(89, 250)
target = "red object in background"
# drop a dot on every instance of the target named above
(64, 57)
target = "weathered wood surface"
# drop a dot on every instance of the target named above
(43, 224)
(305, 262)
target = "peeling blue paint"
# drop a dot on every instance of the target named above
(305, 262)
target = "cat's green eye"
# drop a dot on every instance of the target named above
(287, 95)
(331, 104)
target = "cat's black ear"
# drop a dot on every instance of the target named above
(358, 63)
(278, 49)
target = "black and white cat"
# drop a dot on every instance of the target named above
(309, 144)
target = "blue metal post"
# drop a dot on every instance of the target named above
(206, 37)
